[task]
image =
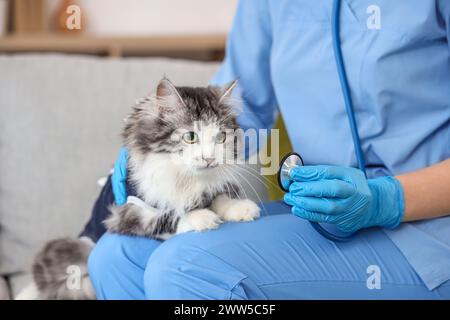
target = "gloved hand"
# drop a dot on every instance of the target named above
(344, 197)
(119, 177)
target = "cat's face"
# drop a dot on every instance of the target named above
(203, 145)
(194, 127)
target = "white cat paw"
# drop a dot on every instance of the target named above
(199, 220)
(241, 210)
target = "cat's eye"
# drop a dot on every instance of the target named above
(190, 137)
(220, 137)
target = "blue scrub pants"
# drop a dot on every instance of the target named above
(278, 256)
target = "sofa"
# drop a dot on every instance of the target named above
(60, 123)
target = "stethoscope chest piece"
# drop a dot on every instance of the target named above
(289, 161)
(329, 231)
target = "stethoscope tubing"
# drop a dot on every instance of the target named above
(335, 32)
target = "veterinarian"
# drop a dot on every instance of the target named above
(397, 59)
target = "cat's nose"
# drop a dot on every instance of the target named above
(209, 161)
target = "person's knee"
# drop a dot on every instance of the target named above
(104, 255)
(116, 265)
(185, 268)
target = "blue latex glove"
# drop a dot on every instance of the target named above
(344, 197)
(119, 177)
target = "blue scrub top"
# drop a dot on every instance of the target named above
(397, 58)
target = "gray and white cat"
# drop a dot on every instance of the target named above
(183, 144)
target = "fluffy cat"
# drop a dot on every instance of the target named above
(183, 144)
(179, 144)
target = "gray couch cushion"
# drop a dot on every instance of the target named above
(18, 282)
(60, 120)
(4, 289)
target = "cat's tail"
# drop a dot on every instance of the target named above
(60, 270)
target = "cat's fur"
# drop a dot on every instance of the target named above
(52, 267)
(181, 186)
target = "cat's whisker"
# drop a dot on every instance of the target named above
(156, 115)
(229, 193)
(241, 189)
(254, 190)
(151, 113)
(258, 176)
(227, 116)
(153, 108)
(248, 183)
(239, 185)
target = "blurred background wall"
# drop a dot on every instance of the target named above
(154, 17)
(187, 29)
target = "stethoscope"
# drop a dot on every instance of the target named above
(293, 159)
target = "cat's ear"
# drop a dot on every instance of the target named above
(168, 95)
(226, 90)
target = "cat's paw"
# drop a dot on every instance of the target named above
(241, 210)
(199, 220)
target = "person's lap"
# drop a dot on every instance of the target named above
(275, 257)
